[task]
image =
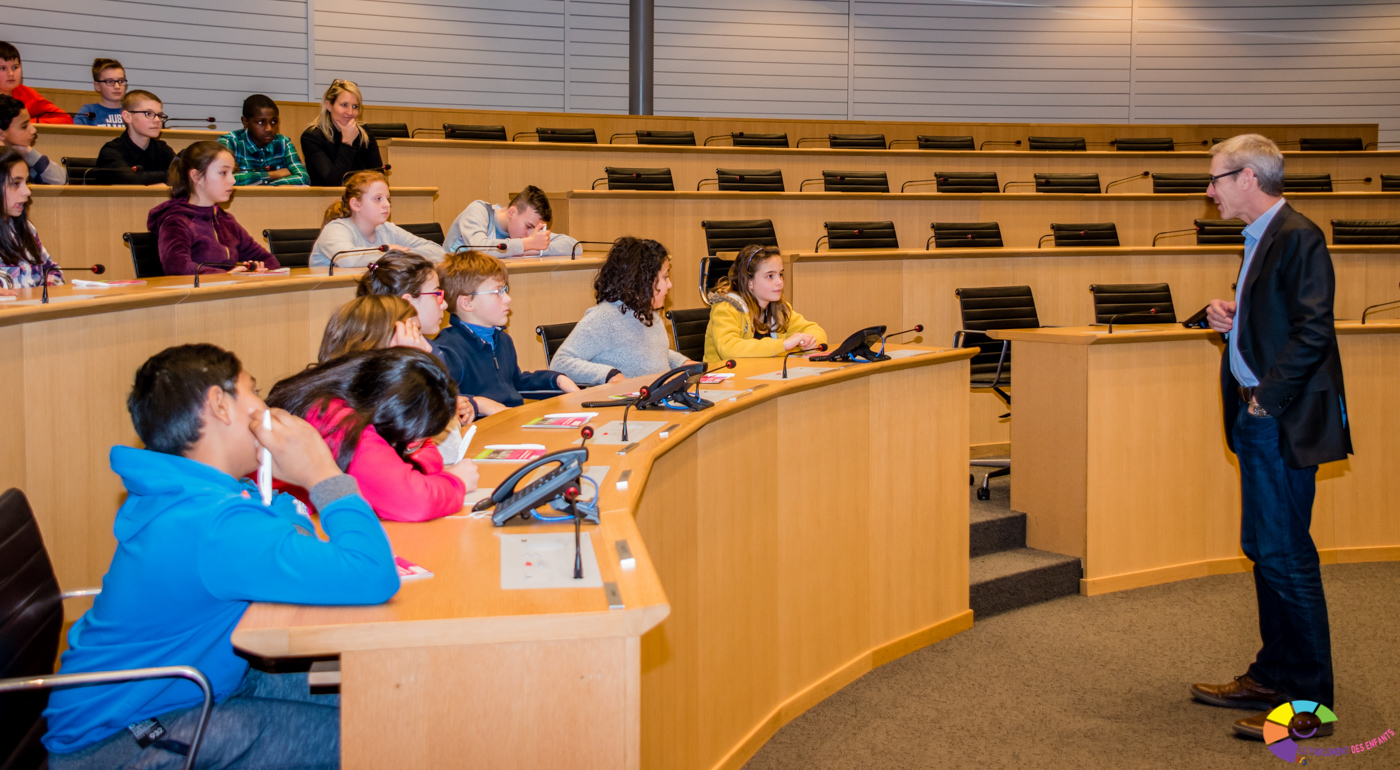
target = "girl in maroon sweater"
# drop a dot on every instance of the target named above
(191, 229)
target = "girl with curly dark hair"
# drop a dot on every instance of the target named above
(622, 336)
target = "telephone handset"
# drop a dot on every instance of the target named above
(858, 347)
(672, 386)
(510, 503)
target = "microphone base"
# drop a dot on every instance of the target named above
(860, 355)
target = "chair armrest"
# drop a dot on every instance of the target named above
(76, 592)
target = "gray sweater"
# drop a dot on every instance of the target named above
(476, 227)
(609, 337)
(341, 234)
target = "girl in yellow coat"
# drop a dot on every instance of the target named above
(749, 317)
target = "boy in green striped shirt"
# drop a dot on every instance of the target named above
(263, 154)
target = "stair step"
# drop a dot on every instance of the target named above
(994, 530)
(1006, 580)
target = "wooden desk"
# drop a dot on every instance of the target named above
(848, 290)
(1119, 453)
(80, 225)
(804, 533)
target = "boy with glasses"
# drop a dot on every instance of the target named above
(138, 156)
(41, 110)
(109, 81)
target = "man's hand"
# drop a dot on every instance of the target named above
(1220, 314)
(299, 454)
(565, 384)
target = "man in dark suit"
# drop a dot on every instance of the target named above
(1285, 414)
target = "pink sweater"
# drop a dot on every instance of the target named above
(397, 490)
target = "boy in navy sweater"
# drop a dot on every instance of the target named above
(196, 545)
(478, 353)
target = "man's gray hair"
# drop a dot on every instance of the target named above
(1258, 153)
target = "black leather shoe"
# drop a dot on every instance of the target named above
(1301, 728)
(1243, 693)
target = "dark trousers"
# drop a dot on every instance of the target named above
(1276, 503)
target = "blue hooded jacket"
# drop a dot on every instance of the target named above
(194, 547)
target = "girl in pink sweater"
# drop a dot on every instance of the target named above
(378, 411)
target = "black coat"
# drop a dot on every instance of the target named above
(125, 163)
(329, 160)
(1289, 340)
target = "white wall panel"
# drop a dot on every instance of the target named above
(597, 55)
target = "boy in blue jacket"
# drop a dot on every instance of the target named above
(195, 546)
(478, 353)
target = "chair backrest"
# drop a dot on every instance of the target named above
(677, 138)
(861, 235)
(856, 181)
(746, 139)
(1115, 299)
(1067, 183)
(735, 234)
(1390, 182)
(1136, 144)
(711, 270)
(1218, 231)
(1180, 183)
(639, 178)
(1346, 144)
(1080, 235)
(857, 141)
(552, 336)
(966, 235)
(986, 308)
(688, 328)
(431, 231)
(1296, 183)
(292, 246)
(474, 133)
(750, 179)
(387, 130)
(145, 254)
(1057, 143)
(946, 143)
(967, 181)
(1362, 231)
(31, 619)
(567, 135)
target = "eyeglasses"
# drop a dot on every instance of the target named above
(151, 115)
(112, 82)
(504, 290)
(439, 294)
(1219, 177)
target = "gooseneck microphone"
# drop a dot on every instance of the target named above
(1378, 306)
(199, 268)
(575, 252)
(571, 497)
(587, 433)
(641, 396)
(1143, 175)
(46, 270)
(331, 268)
(917, 328)
(797, 352)
(209, 120)
(1113, 319)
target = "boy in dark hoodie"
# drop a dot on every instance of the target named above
(192, 230)
(138, 156)
(195, 545)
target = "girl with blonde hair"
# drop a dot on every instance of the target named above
(336, 144)
(749, 317)
(372, 322)
(360, 221)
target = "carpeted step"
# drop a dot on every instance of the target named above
(995, 529)
(1007, 580)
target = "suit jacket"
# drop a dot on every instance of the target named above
(1288, 339)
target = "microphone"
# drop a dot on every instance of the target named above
(331, 268)
(48, 113)
(642, 395)
(44, 272)
(798, 351)
(1112, 319)
(1363, 180)
(917, 328)
(1143, 175)
(989, 141)
(199, 266)
(381, 169)
(571, 497)
(587, 433)
(1377, 306)
(574, 254)
(89, 115)
(1173, 232)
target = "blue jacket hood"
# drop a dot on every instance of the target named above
(160, 482)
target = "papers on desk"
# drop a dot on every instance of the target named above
(908, 353)
(510, 453)
(562, 420)
(611, 432)
(715, 378)
(793, 372)
(546, 561)
(264, 274)
(79, 283)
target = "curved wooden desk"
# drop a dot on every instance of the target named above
(1119, 452)
(803, 532)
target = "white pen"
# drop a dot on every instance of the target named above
(265, 464)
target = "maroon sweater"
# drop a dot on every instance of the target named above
(187, 235)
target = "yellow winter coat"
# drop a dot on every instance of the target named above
(730, 335)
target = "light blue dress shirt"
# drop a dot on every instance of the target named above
(1252, 234)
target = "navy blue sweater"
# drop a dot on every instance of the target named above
(481, 371)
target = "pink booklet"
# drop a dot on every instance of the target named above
(509, 453)
(410, 571)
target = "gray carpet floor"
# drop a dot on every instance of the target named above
(1101, 682)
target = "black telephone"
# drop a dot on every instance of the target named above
(673, 386)
(509, 503)
(1198, 321)
(858, 347)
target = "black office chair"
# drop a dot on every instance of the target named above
(688, 327)
(1348, 144)
(984, 309)
(387, 130)
(567, 135)
(84, 171)
(673, 138)
(1365, 231)
(1135, 144)
(145, 254)
(730, 235)
(1307, 183)
(292, 246)
(431, 231)
(31, 619)
(946, 143)
(1133, 303)
(965, 235)
(474, 133)
(1210, 232)
(1180, 183)
(855, 141)
(1067, 183)
(852, 181)
(747, 139)
(1090, 235)
(1056, 144)
(1390, 182)
(966, 181)
(637, 179)
(858, 235)
(712, 269)
(552, 336)
(750, 179)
